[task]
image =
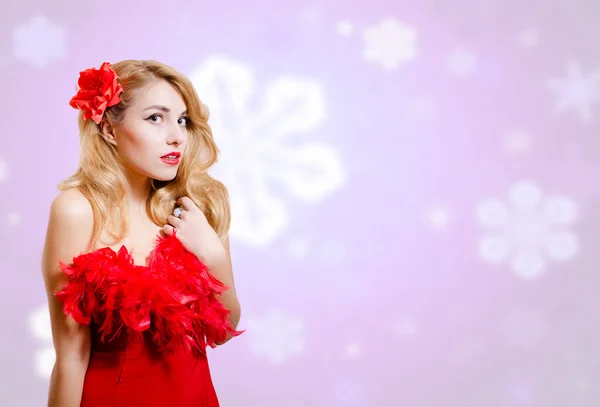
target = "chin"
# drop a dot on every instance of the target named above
(165, 176)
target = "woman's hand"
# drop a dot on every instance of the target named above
(196, 234)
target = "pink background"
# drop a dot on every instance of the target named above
(414, 190)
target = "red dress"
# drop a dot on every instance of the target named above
(150, 326)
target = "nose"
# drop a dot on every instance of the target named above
(176, 135)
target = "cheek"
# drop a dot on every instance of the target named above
(137, 144)
(141, 137)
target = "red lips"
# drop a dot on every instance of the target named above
(174, 154)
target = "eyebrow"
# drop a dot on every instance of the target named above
(162, 108)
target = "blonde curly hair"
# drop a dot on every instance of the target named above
(101, 176)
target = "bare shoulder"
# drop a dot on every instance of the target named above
(71, 220)
(72, 204)
(69, 229)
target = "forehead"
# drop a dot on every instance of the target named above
(160, 93)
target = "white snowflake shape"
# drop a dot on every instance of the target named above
(39, 325)
(39, 42)
(461, 62)
(256, 158)
(390, 43)
(276, 336)
(528, 229)
(576, 90)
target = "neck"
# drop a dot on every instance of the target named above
(137, 192)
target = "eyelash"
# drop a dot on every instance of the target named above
(187, 119)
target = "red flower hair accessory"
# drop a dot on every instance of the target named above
(97, 89)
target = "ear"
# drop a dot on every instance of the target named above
(108, 132)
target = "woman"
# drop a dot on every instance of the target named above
(132, 315)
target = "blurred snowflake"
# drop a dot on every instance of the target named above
(3, 170)
(39, 42)
(254, 152)
(461, 62)
(390, 43)
(299, 247)
(353, 349)
(527, 230)
(344, 28)
(332, 251)
(520, 389)
(349, 391)
(420, 108)
(13, 219)
(406, 327)
(576, 91)
(39, 325)
(518, 142)
(438, 217)
(529, 38)
(276, 336)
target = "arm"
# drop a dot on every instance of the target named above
(223, 271)
(69, 230)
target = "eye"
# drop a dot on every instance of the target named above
(184, 120)
(154, 118)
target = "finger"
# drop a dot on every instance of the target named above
(187, 203)
(168, 229)
(178, 211)
(174, 220)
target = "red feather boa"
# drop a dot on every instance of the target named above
(174, 298)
